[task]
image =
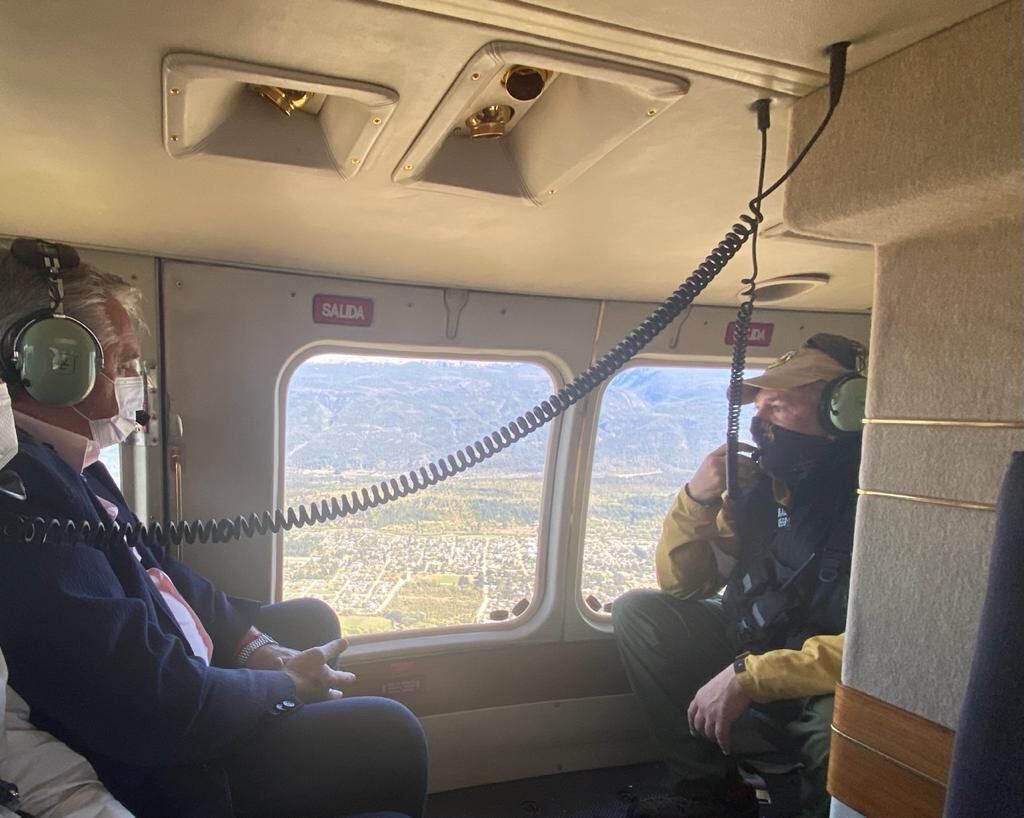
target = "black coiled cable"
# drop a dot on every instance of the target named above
(223, 530)
(38, 530)
(741, 331)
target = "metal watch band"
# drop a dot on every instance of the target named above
(246, 653)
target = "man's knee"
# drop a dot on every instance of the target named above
(299, 623)
(645, 614)
(400, 720)
(321, 619)
(393, 720)
(396, 728)
(817, 731)
(634, 607)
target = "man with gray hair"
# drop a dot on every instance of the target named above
(177, 694)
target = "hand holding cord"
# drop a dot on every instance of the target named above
(224, 530)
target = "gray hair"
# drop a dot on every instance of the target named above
(24, 290)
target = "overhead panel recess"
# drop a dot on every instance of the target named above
(522, 122)
(219, 107)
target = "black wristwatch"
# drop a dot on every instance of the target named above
(9, 795)
(10, 798)
(740, 665)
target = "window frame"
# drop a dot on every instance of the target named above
(599, 620)
(514, 626)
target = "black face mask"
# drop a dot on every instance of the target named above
(786, 454)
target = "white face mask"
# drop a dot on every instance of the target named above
(110, 431)
(8, 436)
(130, 394)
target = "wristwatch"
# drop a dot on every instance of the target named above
(10, 798)
(245, 654)
(740, 665)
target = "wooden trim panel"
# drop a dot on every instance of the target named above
(885, 761)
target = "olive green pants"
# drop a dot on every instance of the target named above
(671, 647)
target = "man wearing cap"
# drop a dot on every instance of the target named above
(742, 681)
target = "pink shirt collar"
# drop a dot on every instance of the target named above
(76, 450)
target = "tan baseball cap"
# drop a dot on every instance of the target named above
(808, 364)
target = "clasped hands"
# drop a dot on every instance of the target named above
(311, 670)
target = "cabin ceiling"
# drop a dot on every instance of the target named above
(82, 154)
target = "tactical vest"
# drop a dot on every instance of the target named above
(793, 574)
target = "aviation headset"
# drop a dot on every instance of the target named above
(841, 407)
(52, 356)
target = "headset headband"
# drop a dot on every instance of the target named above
(45, 256)
(850, 354)
(50, 259)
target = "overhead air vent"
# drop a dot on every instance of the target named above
(521, 123)
(220, 107)
(783, 288)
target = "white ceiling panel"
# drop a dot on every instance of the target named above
(83, 160)
(791, 32)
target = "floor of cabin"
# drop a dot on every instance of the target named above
(604, 793)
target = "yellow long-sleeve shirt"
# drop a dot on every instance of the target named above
(696, 554)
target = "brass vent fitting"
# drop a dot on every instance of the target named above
(525, 83)
(285, 100)
(490, 122)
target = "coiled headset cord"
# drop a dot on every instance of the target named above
(38, 530)
(741, 333)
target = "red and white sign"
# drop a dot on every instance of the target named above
(342, 309)
(760, 335)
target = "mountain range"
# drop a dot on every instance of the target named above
(383, 416)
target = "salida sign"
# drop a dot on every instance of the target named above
(760, 335)
(342, 309)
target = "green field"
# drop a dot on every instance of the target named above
(356, 625)
(436, 601)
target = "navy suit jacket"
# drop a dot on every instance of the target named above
(97, 655)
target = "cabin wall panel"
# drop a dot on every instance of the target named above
(948, 351)
(962, 464)
(543, 738)
(922, 141)
(948, 319)
(923, 159)
(917, 588)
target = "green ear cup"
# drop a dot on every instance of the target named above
(58, 360)
(846, 404)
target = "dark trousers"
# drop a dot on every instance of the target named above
(331, 759)
(672, 647)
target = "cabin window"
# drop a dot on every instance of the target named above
(464, 552)
(655, 427)
(110, 456)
